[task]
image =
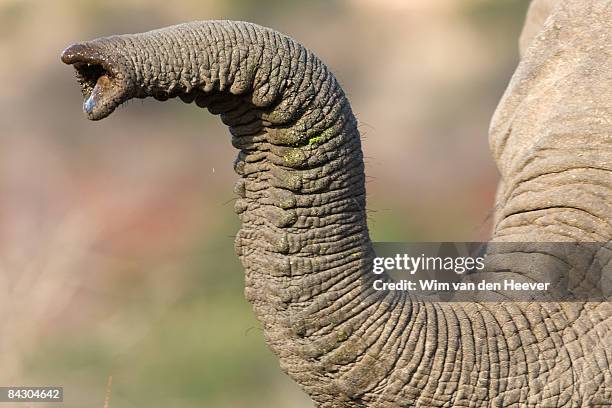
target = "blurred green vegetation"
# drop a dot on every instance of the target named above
(11, 14)
(205, 349)
(498, 21)
(487, 13)
(267, 9)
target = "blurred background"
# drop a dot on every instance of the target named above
(116, 237)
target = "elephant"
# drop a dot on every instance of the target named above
(538, 12)
(304, 241)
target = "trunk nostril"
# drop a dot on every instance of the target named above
(90, 72)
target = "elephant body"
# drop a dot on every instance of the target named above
(304, 240)
(539, 11)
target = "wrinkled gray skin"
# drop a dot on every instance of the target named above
(539, 11)
(304, 240)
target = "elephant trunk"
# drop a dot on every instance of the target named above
(304, 240)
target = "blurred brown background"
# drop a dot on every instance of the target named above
(116, 237)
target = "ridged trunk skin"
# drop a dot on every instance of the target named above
(304, 242)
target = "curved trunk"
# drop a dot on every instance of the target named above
(304, 242)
